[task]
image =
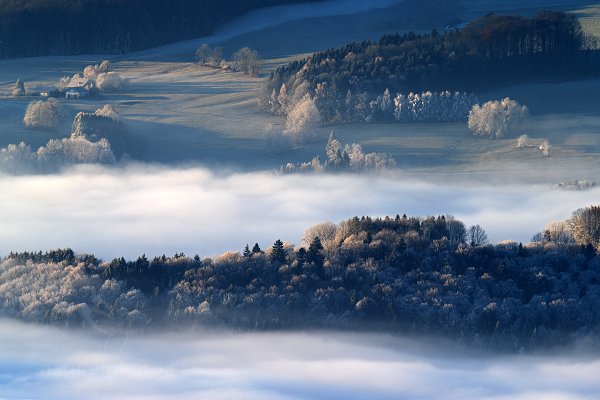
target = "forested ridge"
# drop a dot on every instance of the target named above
(490, 52)
(401, 274)
(61, 27)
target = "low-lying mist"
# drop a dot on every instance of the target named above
(52, 363)
(127, 211)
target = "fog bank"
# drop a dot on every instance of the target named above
(50, 363)
(153, 210)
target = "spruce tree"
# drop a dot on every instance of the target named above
(247, 253)
(278, 254)
(315, 254)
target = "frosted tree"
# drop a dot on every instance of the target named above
(43, 114)
(110, 81)
(108, 111)
(303, 118)
(19, 89)
(586, 226)
(559, 232)
(17, 159)
(283, 100)
(247, 61)
(476, 236)
(336, 156)
(58, 153)
(207, 55)
(497, 119)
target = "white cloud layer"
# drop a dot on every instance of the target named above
(153, 210)
(50, 363)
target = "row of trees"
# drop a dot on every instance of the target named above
(400, 274)
(363, 107)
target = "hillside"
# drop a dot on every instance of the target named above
(62, 27)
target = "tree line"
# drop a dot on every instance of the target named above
(400, 274)
(490, 52)
(48, 27)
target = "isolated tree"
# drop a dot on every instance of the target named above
(43, 114)
(476, 236)
(586, 226)
(278, 253)
(247, 61)
(497, 119)
(303, 118)
(19, 89)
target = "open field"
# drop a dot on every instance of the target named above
(179, 112)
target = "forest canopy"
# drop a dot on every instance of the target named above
(400, 274)
(490, 52)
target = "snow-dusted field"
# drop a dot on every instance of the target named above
(179, 112)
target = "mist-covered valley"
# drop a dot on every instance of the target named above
(140, 209)
(331, 199)
(52, 363)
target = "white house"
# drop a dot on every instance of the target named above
(79, 87)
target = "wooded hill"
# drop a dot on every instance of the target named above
(490, 52)
(60, 27)
(428, 276)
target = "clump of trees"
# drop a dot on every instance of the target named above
(56, 154)
(498, 119)
(349, 157)
(110, 81)
(206, 55)
(489, 52)
(103, 124)
(247, 61)
(583, 228)
(577, 185)
(43, 114)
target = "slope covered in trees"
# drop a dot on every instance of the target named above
(406, 275)
(490, 52)
(59, 27)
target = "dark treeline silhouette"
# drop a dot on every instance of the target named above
(404, 275)
(489, 52)
(51, 27)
